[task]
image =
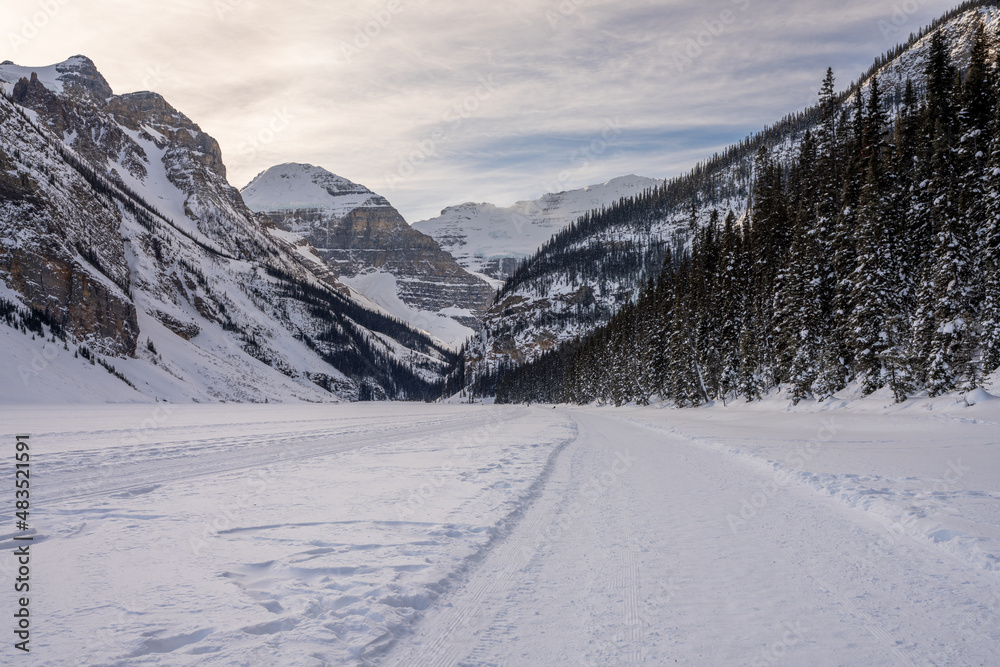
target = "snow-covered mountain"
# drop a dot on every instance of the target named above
(368, 245)
(292, 187)
(493, 240)
(121, 242)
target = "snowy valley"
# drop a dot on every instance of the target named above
(745, 416)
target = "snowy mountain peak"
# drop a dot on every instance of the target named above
(629, 182)
(295, 186)
(358, 235)
(78, 73)
(492, 240)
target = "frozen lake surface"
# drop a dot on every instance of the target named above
(411, 534)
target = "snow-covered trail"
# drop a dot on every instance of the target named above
(647, 547)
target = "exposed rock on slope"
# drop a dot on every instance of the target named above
(358, 232)
(120, 233)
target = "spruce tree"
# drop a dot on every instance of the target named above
(800, 329)
(975, 117)
(835, 371)
(949, 352)
(649, 332)
(767, 242)
(684, 375)
(945, 331)
(732, 298)
(988, 255)
(875, 309)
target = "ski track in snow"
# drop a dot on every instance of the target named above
(146, 469)
(630, 580)
(458, 535)
(484, 593)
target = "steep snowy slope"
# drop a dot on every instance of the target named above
(369, 246)
(121, 239)
(492, 240)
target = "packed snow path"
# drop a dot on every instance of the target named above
(642, 551)
(461, 535)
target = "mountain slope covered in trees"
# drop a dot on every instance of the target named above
(585, 274)
(871, 257)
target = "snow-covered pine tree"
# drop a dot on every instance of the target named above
(731, 300)
(950, 352)
(945, 329)
(799, 323)
(684, 376)
(900, 200)
(766, 241)
(875, 307)
(707, 315)
(835, 372)
(988, 256)
(649, 333)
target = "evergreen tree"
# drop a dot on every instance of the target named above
(978, 100)
(767, 243)
(649, 332)
(945, 331)
(800, 329)
(878, 320)
(950, 348)
(835, 372)
(731, 300)
(988, 267)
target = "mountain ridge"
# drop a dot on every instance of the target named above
(492, 240)
(122, 237)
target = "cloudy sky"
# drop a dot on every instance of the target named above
(437, 102)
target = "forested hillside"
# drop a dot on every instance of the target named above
(586, 273)
(871, 257)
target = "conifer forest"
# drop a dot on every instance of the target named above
(871, 257)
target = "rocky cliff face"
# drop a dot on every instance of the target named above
(120, 233)
(59, 246)
(358, 232)
(142, 142)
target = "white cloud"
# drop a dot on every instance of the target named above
(391, 93)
